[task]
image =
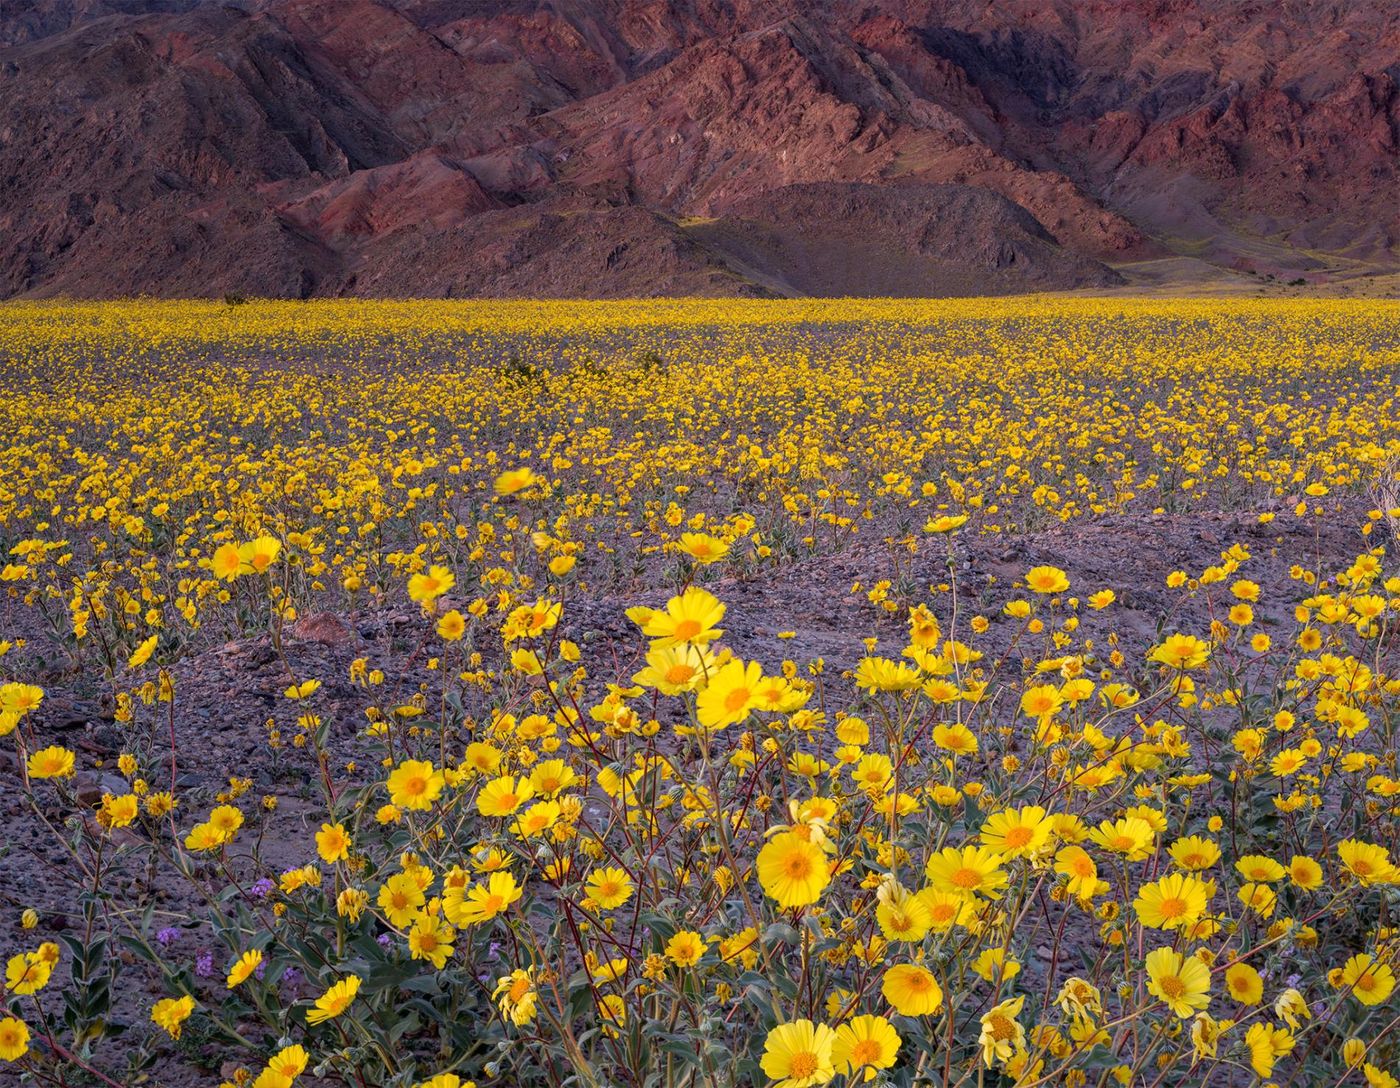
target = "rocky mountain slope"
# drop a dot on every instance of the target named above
(626, 147)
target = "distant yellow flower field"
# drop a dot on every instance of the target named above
(562, 816)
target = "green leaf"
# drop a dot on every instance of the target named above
(781, 933)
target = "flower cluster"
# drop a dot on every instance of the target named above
(1004, 832)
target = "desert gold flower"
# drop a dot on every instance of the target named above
(1266, 1044)
(258, 555)
(1002, 1033)
(792, 870)
(1047, 580)
(481, 902)
(334, 1001)
(333, 843)
(14, 1039)
(609, 887)
(1130, 836)
(1244, 984)
(1174, 902)
(118, 811)
(702, 547)
(970, 871)
(170, 1013)
(17, 698)
(451, 626)
(1368, 979)
(799, 1054)
(912, 990)
(430, 938)
(503, 796)
(401, 898)
(689, 618)
(1181, 982)
(1074, 863)
(142, 653)
(730, 694)
(27, 973)
(1194, 852)
(1017, 832)
(1367, 862)
(51, 762)
(685, 948)
(515, 481)
(289, 1062)
(865, 1044)
(1181, 651)
(243, 968)
(226, 563)
(415, 784)
(517, 996)
(428, 586)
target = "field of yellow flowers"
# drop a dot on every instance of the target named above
(628, 695)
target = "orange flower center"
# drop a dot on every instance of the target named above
(798, 866)
(687, 629)
(1002, 1028)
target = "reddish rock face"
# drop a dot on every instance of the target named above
(297, 147)
(424, 192)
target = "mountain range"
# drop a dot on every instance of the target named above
(622, 148)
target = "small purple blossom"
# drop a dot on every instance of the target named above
(167, 936)
(261, 888)
(385, 940)
(291, 976)
(204, 963)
